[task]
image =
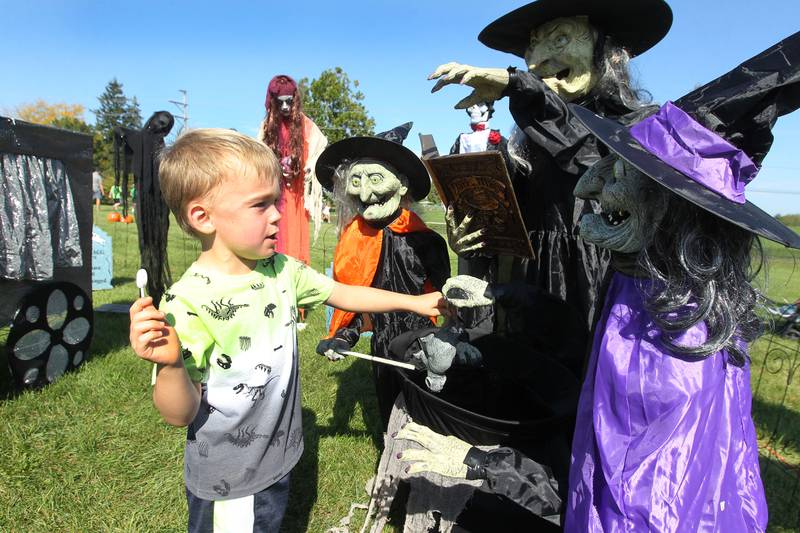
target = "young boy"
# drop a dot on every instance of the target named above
(231, 372)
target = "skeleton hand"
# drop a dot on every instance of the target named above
(330, 348)
(488, 83)
(466, 291)
(440, 454)
(461, 242)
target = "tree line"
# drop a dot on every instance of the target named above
(332, 100)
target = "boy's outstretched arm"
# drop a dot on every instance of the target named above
(175, 396)
(370, 300)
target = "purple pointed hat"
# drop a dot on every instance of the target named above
(706, 147)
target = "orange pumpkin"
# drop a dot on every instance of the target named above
(114, 217)
(128, 219)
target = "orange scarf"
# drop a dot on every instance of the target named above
(358, 254)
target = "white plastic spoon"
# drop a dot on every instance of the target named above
(141, 281)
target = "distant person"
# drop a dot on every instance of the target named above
(97, 189)
(231, 373)
(116, 195)
(326, 213)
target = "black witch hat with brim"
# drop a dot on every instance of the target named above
(706, 146)
(387, 147)
(636, 25)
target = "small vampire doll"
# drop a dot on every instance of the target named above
(482, 138)
(385, 245)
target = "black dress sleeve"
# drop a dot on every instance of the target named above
(548, 123)
(351, 332)
(434, 258)
(456, 148)
(517, 477)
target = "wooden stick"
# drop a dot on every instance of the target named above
(385, 361)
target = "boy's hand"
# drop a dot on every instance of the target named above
(430, 304)
(151, 338)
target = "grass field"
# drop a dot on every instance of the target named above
(90, 453)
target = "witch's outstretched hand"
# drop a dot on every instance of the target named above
(487, 83)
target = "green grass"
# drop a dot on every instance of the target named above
(90, 453)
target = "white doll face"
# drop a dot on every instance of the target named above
(478, 113)
(376, 189)
(561, 53)
(632, 206)
(285, 104)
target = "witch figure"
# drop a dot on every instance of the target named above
(574, 51)
(664, 439)
(382, 242)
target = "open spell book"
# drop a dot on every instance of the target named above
(478, 183)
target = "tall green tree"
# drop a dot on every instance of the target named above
(115, 110)
(334, 103)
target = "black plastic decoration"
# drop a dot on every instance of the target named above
(50, 334)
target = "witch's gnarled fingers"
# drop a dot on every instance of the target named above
(416, 455)
(473, 98)
(473, 248)
(419, 467)
(471, 238)
(466, 222)
(441, 70)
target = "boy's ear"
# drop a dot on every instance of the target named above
(199, 218)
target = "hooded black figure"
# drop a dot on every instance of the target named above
(136, 152)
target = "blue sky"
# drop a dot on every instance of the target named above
(224, 53)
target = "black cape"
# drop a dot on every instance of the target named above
(407, 260)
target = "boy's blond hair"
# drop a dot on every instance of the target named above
(199, 160)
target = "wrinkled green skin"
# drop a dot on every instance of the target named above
(563, 44)
(618, 186)
(376, 189)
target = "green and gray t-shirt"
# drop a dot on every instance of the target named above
(238, 338)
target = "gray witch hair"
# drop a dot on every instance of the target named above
(700, 269)
(615, 84)
(345, 206)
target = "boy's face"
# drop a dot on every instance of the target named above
(245, 216)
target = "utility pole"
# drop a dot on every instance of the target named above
(184, 107)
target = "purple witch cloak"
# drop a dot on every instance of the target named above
(666, 442)
(662, 443)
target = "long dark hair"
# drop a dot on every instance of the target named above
(700, 269)
(272, 123)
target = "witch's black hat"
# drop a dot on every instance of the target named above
(636, 25)
(386, 146)
(706, 146)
